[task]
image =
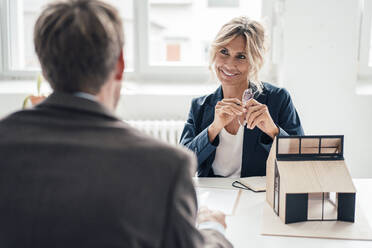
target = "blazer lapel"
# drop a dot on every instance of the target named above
(208, 115)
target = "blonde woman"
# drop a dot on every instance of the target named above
(232, 138)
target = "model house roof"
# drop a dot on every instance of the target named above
(315, 176)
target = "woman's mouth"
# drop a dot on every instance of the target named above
(227, 73)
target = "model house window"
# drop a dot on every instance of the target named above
(322, 206)
(330, 206)
(307, 147)
(315, 206)
(276, 190)
(149, 26)
(289, 146)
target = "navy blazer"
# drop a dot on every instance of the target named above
(256, 144)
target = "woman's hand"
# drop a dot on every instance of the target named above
(258, 115)
(224, 112)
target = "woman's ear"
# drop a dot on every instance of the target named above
(120, 66)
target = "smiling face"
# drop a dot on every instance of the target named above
(231, 63)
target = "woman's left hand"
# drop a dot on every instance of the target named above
(258, 115)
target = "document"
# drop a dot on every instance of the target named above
(214, 182)
(257, 184)
(224, 200)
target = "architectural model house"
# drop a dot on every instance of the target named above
(307, 179)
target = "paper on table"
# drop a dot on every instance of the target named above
(254, 183)
(218, 199)
(214, 182)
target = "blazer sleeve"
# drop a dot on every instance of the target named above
(180, 230)
(288, 120)
(197, 141)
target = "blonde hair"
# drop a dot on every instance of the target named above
(254, 34)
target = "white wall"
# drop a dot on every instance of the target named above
(320, 70)
(318, 67)
(139, 101)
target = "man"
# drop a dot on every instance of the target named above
(72, 174)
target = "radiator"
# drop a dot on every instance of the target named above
(166, 130)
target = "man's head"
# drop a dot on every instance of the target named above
(79, 44)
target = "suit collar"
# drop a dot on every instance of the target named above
(69, 101)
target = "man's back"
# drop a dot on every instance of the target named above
(73, 175)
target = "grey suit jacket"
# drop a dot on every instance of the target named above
(73, 175)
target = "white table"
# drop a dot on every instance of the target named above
(244, 227)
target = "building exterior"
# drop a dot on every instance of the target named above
(307, 180)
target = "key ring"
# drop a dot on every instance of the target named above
(247, 95)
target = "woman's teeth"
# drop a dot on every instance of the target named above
(227, 73)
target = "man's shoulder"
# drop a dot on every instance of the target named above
(159, 151)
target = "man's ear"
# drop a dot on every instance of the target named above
(120, 66)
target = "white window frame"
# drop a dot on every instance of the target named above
(365, 71)
(11, 50)
(142, 70)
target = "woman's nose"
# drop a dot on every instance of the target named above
(230, 63)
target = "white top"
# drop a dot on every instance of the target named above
(228, 159)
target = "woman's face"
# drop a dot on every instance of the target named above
(231, 63)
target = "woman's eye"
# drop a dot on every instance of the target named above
(224, 52)
(241, 56)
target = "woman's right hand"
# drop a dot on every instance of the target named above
(224, 112)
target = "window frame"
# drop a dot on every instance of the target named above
(142, 69)
(365, 71)
(11, 50)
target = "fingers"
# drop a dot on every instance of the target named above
(234, 104)
(203, 210)
(205, 214)
(251, 102)
(256, 113)
(226, 110)
(232, 100)
(258, 119)
(252, 109)
(252, 117)
(231, 105)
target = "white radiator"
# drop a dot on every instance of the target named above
(167, 130)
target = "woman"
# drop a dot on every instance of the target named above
(214, 129)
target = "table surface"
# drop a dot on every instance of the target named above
(244, 227)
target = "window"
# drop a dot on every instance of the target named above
(192, 28)
(315, 206)
(223, 3)
(21, 18)
(322, 206)
(163, 38)
(365, 50)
